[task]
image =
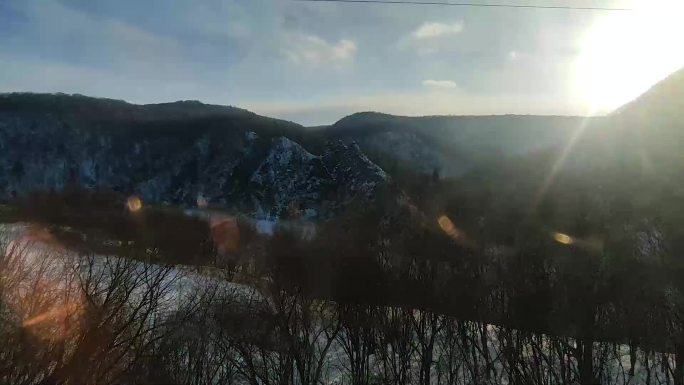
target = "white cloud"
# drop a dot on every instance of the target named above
(432, 38)
(444, 84)
(344, 49)
(433, 30)
(308, 49)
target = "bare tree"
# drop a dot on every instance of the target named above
(81, 319)
(426, 327)
(395, 345)
(307, 328)
(357, 340)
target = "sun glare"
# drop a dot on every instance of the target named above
(624, 53)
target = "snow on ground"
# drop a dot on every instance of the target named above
(33, 252)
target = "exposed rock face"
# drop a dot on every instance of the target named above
(348, 166)
(288, 176)
(292, 178)
(230, 158)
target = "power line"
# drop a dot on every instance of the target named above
(469, 4)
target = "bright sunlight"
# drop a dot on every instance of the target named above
(624, 53)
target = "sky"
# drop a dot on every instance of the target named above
(314, 63)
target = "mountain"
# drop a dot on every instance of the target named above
(664, 99)
(617, 177)
(181, 152)
(645, 137)
(458, 145)
(174, 153)
(452, 145)
(653, 123)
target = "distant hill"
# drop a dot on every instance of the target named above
(619, 173)
(452, 144)
(664, 99)
(76, 106)
(653, 124)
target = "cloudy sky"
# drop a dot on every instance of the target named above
(316, 62)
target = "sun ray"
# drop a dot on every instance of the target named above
(560, 162)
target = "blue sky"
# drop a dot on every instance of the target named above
(316, 62)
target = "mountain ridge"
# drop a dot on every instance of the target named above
(174, 152)
(166, 158)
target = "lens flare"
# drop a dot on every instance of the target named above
(51, 314)
(225, 233)
(563, 238)
(448, 227)
(133, 204)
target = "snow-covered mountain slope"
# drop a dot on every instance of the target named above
(221, 155)
(292, 179)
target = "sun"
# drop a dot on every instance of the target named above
(624, 53)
